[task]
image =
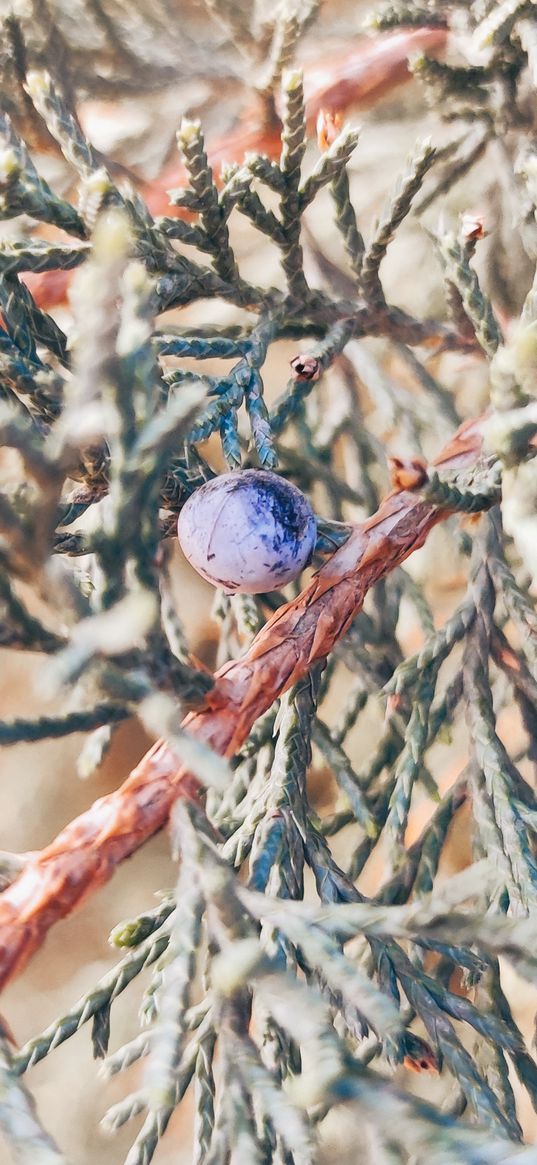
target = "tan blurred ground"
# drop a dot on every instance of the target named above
(40, 791)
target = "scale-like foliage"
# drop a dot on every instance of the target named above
(272, 1003)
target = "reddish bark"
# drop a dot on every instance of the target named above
(371, 68)
(86, 852)
(354, 78)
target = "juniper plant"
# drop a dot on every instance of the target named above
(278, 990)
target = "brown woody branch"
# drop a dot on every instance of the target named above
(85, 854)
(354, 78)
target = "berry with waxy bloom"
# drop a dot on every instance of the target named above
(248, 531)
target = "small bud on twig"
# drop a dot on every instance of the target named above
(328, 128)
(306, 367)
(409, 474)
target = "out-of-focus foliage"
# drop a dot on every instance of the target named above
(272, 1005)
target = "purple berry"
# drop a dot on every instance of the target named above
(247, 531)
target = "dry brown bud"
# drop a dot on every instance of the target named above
(306, 367)
(409, 474)
(328, 128)
(472, 228)
(419, 1055)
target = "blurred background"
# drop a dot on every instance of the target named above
(139, 68)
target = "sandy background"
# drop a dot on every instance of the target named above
(39, 788)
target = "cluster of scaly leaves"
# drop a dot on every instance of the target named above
(304, 1005)
(488, 99)
(108, 409)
